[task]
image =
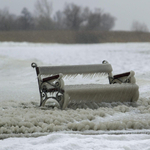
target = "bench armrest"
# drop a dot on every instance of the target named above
(127, 77)
(121, 75)
(52, 82)
(54, 77)
(50, 78)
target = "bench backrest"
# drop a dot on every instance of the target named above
(74, 69)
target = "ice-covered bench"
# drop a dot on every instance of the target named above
(121, 87)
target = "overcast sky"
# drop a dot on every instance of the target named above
(125, 11)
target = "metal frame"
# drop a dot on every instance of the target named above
(49, 87)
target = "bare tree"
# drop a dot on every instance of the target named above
(43, 11)
(94, 20)
(43, 8)
(77, 18)
(139, 27)
(25, 21)
(7, 20)
(100, 21)
(73, 17)
(107, 22)
(59, 19)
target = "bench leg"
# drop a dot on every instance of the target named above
(66, 100)
(59, 97)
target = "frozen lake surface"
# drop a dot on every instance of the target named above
(23, 125)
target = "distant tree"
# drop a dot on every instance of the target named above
(139, 27)
(100, 21)
(25, 21)
(7, 20)
(59, 19)
(72, 16)
(43, 11)
(85, 13)
(94, 20)
(107, 22)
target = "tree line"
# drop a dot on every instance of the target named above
(72, 17)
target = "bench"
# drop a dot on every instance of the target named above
(121, 87)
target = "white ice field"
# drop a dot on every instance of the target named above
(32, 128)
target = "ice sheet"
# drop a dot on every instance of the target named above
(19, 98)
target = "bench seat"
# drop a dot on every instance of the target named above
(124, 92)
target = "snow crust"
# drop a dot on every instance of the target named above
(112, 126)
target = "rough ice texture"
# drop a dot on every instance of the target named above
(27, 118)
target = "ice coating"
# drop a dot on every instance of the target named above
(103, 93)
(89, 92)
(76, 69)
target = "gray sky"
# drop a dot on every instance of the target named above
(125, 11)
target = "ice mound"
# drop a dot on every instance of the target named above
(28, 118)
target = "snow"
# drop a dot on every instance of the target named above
(60, 141)
(113, 127)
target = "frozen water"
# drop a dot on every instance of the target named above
(20, 115)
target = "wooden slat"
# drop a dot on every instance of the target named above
(121, 75)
